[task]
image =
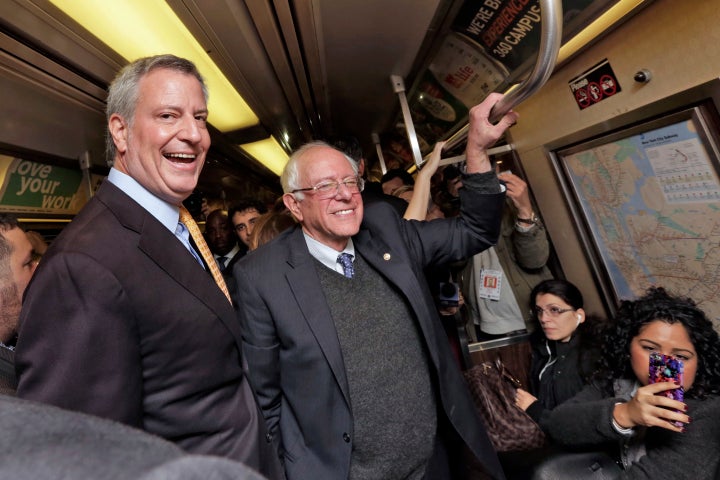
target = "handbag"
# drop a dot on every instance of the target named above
(492, 388)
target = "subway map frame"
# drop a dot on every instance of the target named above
(646, 201)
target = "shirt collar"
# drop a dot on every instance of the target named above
(230, 255)
(164, 212)
(328, 255)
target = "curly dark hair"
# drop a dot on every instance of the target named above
(658, 304)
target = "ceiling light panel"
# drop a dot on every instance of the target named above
(140, 28)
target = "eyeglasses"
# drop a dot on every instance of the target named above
(552, 311)
(329, 189)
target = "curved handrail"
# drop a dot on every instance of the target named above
(550, 39)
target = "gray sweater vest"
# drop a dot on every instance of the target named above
(393, 407)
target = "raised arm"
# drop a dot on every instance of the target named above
(418, 207)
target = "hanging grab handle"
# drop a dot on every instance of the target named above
(550, 38)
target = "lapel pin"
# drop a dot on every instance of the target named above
(386, 257)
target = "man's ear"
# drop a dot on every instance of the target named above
(293, 205)
(118, 129)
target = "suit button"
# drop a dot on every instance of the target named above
(268, 438)
(346, 437)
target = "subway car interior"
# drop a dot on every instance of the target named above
(618, 137)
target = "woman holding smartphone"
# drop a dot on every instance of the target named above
(649, 434)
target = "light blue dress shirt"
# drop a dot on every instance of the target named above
(166, 213)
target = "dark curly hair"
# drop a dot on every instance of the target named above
(658, 304)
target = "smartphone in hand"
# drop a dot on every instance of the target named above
(667, 368)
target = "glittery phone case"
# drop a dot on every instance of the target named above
(666, 368)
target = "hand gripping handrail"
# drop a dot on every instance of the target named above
(550, 39)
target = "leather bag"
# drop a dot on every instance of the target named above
(493, 390)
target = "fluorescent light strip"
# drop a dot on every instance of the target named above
(140, 28)
(596, 28)
(157, 30)
(269, 153)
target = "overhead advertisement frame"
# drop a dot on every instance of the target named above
(489, 45)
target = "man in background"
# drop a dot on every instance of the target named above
(394, 179)
(17, 266)
(243, 216)
(497, 282)
(122, 320)
(224, 246)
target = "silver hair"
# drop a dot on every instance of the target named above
(290, 176)
(123, 92)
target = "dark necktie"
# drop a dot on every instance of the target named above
(221, 263)
(345, 259)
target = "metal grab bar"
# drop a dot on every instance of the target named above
(550, 39)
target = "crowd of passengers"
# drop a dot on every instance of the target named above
(315, 339)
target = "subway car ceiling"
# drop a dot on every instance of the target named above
(306, 69)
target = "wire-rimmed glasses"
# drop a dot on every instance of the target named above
(552, 311)
(330, 188)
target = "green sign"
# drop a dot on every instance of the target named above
(35, 187)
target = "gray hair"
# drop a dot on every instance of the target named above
(290, 176)
(123, 92)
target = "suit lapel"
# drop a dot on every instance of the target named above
(305, 285)
(163, 248)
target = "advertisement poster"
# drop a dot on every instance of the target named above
(490, 40)
(31, 187)
(459, 77)
(508, 30)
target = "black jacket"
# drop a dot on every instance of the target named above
(558, 371)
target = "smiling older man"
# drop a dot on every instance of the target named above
(346, 353)
(121, 320)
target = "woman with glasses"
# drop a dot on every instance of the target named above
(643, 426)
(562, 362)
(559, 367)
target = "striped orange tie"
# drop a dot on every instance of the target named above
(197, 237)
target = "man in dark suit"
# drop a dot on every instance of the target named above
(121, 320)
(224, 246)
(347, 355)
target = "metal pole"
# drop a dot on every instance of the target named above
(85, 167)
(378, 148)
(399, 88)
